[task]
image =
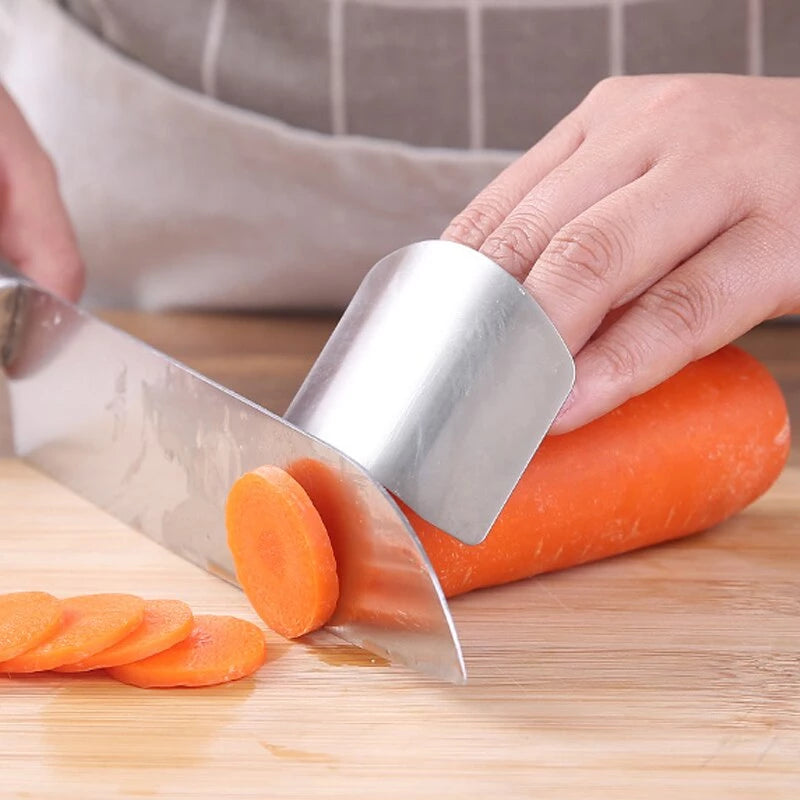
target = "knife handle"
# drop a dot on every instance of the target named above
(10, 281)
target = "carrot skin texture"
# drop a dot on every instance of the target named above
(674, 461)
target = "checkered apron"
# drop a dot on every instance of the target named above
(264, 153)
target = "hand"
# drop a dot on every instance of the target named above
(35, 233)
(654, 224)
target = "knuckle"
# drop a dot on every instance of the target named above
(670, 92)
(616, 86)
(602, 89)
(474, 223)
(609, 86)
(778, 193)
(621, 359)
(685, 307)
(588, 254)
(519, 243)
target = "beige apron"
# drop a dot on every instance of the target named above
(182, 201)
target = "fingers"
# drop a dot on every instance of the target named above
(627, 241)
(496, 201)
(590, 174)
(35, 232)
(705, 303)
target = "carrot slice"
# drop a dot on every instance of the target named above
(165, 623)
(283, 556)
(90, 623)
(26, 620)
(219, 649)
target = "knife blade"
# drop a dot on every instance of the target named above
(158, 446)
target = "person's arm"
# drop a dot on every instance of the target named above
(35, 232)
(654, 224)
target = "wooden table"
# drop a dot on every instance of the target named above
(672, 672)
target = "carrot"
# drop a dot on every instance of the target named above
(342, 513)
(281, 551)
(165, 623)
(377, 588)
(26, 620)
(673, 461)
(219, 649)
(90, 623)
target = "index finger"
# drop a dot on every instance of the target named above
(490, 207)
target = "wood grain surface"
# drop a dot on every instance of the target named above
(671, 672)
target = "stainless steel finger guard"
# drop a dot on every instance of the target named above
(441, 379)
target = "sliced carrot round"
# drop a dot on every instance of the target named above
(90, 623)
(165, 623)
(283, 556)
(219, 649)
(26, 620)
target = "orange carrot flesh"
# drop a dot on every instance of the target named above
(219, 649)
(342, 513)
(283, 556)
(90, 623)
(165, 623)
(26, 620)
(674, 461)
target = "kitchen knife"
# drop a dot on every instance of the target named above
(440, 381)
(158, 446)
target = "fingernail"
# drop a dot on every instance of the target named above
(565, 408)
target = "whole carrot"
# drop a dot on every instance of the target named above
(673, 461)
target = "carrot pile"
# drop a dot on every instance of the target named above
(164, 623)
(147, 643)
(89, 624)
(218, 649)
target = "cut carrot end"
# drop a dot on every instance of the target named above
(282, 553)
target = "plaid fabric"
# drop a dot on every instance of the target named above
(477, 74)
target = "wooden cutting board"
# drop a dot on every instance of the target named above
(673, 672)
